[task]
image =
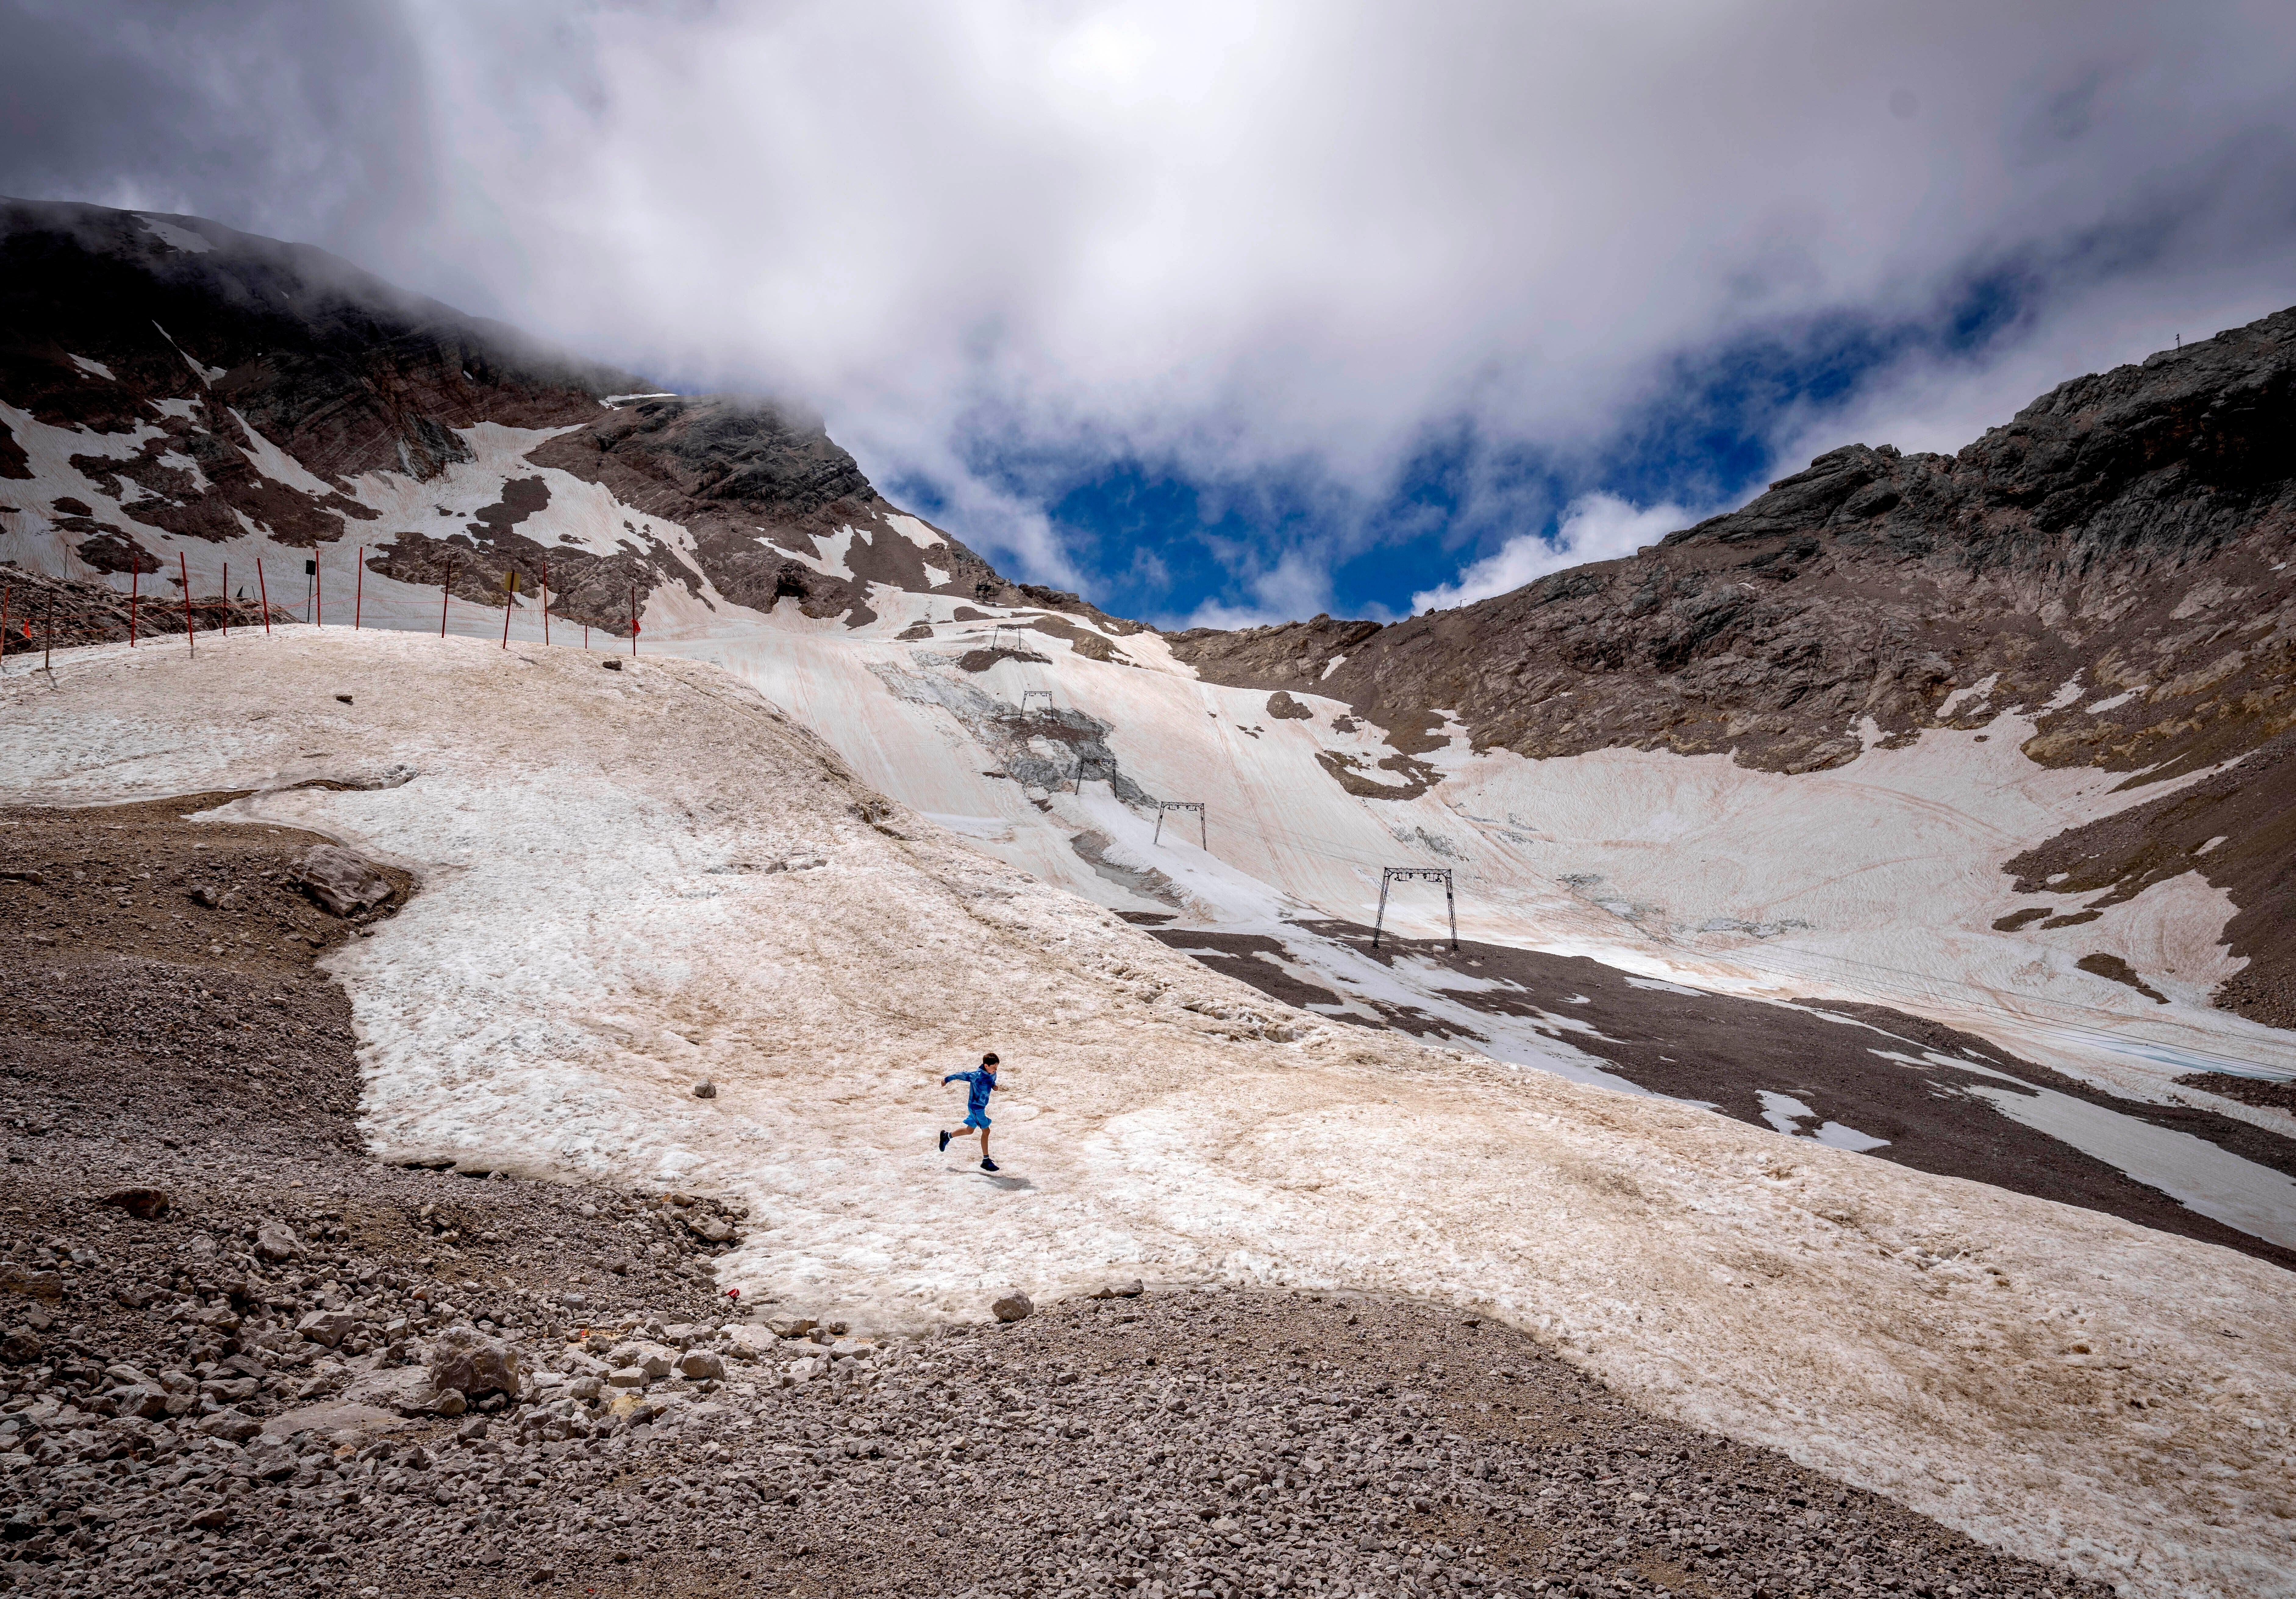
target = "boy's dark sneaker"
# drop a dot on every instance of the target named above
(944, 1138)
(990, 1166)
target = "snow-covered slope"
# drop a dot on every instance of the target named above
(633, 880)
(1877, 882)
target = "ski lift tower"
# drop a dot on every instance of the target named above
(1044, 694)
(1390, 874)
(1197, 806)
(997, 638)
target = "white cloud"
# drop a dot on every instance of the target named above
(1595, 527)
(1295, 585)
(1232, 240)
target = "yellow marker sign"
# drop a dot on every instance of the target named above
(510, 581)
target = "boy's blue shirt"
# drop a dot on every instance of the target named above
(984, 1083)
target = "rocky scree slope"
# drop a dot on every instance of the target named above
(2130, 533)
(214, 344)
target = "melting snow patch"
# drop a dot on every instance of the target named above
(1786, 1114)
(1663, 987)
(1977, 694)
(2115, 703)
(93, 368)
(177, 238)
(916, 532)
(1333, 665)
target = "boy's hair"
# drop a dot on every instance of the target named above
(988, 1060)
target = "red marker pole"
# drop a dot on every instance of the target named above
(318, 591)
(358, 596)
(227, 599)
(189, 643)
(445, 584)
(7, 592)
(545, 605)
(510, 598)
(634, 622)
(266, 595)
(135, 583)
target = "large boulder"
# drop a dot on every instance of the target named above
(342, 881)
(466, 1360)
(231, 1424)
(146, 1400)
(657, 1361)
(1013, 1307)
(328, 1327)
(275, 1241)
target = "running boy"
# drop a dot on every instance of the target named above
(976, 1104)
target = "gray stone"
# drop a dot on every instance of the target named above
(1013, 1307)
(697, 1366)
(705, 1089)
(148, 1401)
(276, 1241)
(652, 1361)
(328, 1327)
(467, 1361)
(341, 881)
(230, 1424)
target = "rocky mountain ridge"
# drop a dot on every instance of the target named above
(262, 386)
(2130, 530)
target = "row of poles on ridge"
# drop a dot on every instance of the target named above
(315, 605)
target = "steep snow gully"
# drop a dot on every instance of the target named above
(630, 880)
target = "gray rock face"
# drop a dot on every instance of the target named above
(342, 881)
(471, 1363)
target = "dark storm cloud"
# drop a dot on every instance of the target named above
(305, 121)
(1007, 243)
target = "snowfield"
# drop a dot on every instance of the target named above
(633, 880)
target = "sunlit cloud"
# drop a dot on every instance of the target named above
(1237, 242)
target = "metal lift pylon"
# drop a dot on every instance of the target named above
(1203, 839)
(1442, 875)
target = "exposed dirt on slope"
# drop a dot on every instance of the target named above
(2237, 829)
(2248, 1090)
(169, 1428)
(1934, 1115)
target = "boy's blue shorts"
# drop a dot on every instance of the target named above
(977, 1118)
